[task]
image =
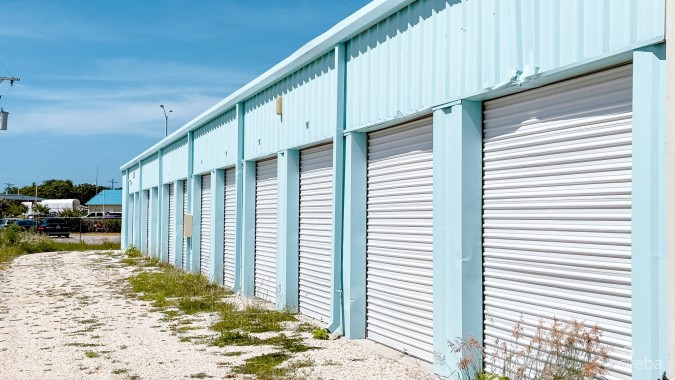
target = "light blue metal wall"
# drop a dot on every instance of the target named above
(309, 112)
(436, 50)
(150, 172)
(175, 161)
(216, 143)
(134, 179)
(426, 55)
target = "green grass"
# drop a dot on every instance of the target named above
(91, 354)
(14, 243)
(320, 334)
(264, 366)
(178, 294)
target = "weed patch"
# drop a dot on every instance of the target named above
(91, 354)
(14, 242)
(320, 334)
(264, 365)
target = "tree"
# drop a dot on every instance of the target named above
(16, 209)
(85, 191)
(56, 189)
(4, 207)
(41, 210)
(28, 190)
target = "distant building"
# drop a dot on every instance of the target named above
(106, 200)
(55, 206)
(19, 198)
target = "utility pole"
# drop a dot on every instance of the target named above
(166, 120)
(10, 79)
(4, 115)
(112, 186)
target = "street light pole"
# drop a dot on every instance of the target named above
(166, 120)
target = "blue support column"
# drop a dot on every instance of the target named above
(337, 301)
(458, 288)
(154, 225)
(217, 225)
(239, 207)
(137, 219)
(248, 230)
(649, 252)
(139, 208)
(288, 229)
(125, 212)
(195, 256)
(190, 201)
(178, 217)
(162, 209)
(354, 246)
(164, 222)
(145, 201)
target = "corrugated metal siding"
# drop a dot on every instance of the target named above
(216, 143)
(399, 238)
(175, 161)
(205, 227)
(134, 180)
(557, 210)
(230, 226)
(266, 230)
(316, 220)
(309, 96)
(433, 51)
(171, 225)
(150, 172)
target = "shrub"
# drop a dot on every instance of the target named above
(320, 334)
(10, 236)
(563, 350)
(133, 252)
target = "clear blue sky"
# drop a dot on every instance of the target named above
(93, 73)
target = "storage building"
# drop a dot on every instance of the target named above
(434, 169)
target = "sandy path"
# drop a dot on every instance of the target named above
(57, 307)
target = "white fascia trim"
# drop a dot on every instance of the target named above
(363, 19)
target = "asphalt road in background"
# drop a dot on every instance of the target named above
(91, 238)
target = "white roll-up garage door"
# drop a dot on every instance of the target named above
(316, 202)
(399, 252)
(230, 227)
(171, 226)
(147, 222)
(266, 230)
(205, 227)
(185, 210)
(557, 210)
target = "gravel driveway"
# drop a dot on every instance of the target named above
(66, 316)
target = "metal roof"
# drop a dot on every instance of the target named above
(20, 198)
(106, 197)
(364, 18)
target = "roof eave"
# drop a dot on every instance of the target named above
(361, 20)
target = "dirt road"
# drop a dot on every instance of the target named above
(67, 316)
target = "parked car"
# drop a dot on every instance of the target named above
(53, 227)
(4, 223)
(26, 224)
(104, 215)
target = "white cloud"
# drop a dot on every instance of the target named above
(87, 117)
(120, 96)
